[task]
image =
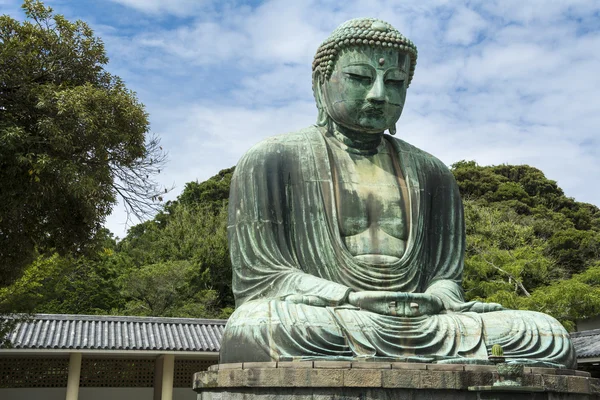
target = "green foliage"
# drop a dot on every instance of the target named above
(70, 285)
(528, 245)
(189, 239)
(174, 265)
(167, 289)
(574, 249)
(194, 234)
(72, 138)
(570, 299)
(213, 192)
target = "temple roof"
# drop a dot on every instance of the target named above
(100, 332)
(587, 343)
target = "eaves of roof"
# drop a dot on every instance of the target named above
(117, 333)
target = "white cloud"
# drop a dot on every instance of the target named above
(176, 7)
(497, 81)
(464, 26)
(204, 43)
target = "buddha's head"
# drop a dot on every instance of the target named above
(360, 76)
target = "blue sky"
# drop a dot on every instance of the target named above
(497, 81)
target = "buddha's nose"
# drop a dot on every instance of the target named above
(377, 92)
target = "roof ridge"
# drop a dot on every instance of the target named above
(590, 332)
(120, 318)
(115, 333)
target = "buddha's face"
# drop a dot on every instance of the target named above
(367, 89)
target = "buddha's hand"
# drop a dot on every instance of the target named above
(308, 300)
(473, 306)
(396, 303)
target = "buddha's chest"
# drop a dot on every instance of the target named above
(368, 194)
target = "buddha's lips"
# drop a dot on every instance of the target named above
(373, 111)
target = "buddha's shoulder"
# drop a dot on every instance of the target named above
(420, 156)
(290, 142)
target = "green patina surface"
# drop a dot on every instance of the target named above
(348, 243)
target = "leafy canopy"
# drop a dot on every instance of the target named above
(528, 245)
(72, 139)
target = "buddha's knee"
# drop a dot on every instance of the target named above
(530, 335)
(267, 330)
(245, 333)
(544, 323)
(502, 323)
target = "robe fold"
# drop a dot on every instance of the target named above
(292, 272)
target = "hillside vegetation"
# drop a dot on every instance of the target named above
(528, 247)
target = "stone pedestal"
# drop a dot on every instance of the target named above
(380, 380)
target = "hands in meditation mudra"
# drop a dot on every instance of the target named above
(348, 244)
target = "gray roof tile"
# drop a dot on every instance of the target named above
(101, 332)
(587, 343)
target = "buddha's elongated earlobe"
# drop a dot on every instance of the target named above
(392, 129)
(329, 124)
(322, 117)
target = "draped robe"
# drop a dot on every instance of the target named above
(292, 272)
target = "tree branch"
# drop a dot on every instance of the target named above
(511, 276)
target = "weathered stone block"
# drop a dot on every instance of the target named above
(262, 365)
(578, 384)
(557, 383)
(532, 380)
(401, 378)
(595, 387)
(481, 368)
(295, 377)
(562, 371)
(326, 377)
(478, 378)
(231, 366)
(445, 367)
(371, 365)
(478, 375)
(543, 371)
(333, 364)
(260, 377)
(231, 378)
(295, 364)
(410, 366)
(206, 379)
(362, 378)
(438, 380)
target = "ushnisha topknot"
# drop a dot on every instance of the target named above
(362, 32)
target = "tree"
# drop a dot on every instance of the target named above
(190, 235)
(166, 289)
(73, 139)
(528, 245)
(213, 192)
(194, 239)
(67, 285)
